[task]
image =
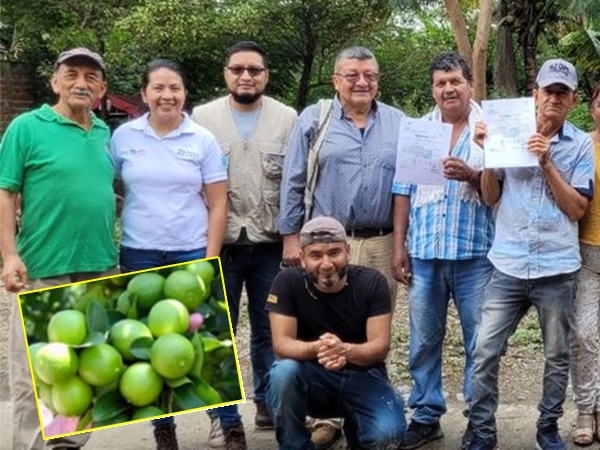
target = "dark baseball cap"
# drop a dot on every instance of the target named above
(322, 230)
(81, 52)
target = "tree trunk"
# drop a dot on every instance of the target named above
(505, 72)
(459, 29)
(529, 32)
(304, 85)
(484, 24)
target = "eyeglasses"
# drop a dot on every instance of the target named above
(252, 70)
(352, 77)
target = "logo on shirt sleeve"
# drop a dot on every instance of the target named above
(272, 298)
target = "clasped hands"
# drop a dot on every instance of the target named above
(332, 353)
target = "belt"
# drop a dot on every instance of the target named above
(368, 232)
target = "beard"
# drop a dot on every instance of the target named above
(329, 281)
(246, 98)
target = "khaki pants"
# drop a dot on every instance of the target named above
(27, 434)
(375, 252)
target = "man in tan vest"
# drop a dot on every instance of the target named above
(253, 131)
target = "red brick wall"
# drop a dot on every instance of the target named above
(15, 92)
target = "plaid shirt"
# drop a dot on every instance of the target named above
(449, 222)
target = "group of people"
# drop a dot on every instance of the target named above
(246, 179)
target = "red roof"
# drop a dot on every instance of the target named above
(130, 104)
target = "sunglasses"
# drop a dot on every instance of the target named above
(252, 70)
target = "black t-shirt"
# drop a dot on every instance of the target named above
(344, 313)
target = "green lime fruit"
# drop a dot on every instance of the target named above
(120, 280)
(140, 384)
(125, 332)
(186, 287)
(33, 350)
(68, 327)
(148, 288)
(147, 412)
(168, 316)
(204, 269)
(44, 392)
(72, 397)
(172, 355)
(55, 362)
(100, 365)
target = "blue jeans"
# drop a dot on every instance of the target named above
(256, 266)
(132, 259)
(433, 282)
(507, 300)
(373, 411)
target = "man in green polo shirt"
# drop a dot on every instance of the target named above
(56, 158)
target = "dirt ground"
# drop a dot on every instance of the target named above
(520, 389)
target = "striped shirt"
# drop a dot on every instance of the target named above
(356, 169)
(449, 222)
(534, 237)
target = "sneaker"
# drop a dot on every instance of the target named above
(324, 434)
(478, 443)
(419, 434)
(235, 438)
(165, 438)
(467, 437)
(215, 435)
(262, 419)
(549, 439)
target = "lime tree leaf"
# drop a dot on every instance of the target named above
(114, 317)
(207, 393)
(186, 398)
(196, 369)
(96, 317)
(93, 338)
(108, 406)
(178, 382)
(124, 303)
(84, 420)
(95, 293)
(212, 343)
(133, 310)
(140, 348)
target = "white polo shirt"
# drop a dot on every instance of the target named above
(163, 178)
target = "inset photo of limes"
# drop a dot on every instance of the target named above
(131, 347)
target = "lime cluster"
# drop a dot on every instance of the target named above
(145, 353)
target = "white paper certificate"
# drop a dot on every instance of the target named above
(510, 123)
(422, 145)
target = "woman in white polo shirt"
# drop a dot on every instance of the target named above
(174, 176)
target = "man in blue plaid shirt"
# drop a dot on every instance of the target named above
(449, 234)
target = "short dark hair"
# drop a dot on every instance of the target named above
(450, 61)
(595, 94)
(246, 46)
(161, 63)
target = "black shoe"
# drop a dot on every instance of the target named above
(235, 438)
(419, 434)
(467, 437)
(549, 439)
(165, 437)
(262, 419)
(478, 443)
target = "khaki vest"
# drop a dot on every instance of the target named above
(254, 168)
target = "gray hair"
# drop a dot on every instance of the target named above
(360, 53)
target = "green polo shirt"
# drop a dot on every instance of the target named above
(64, 175)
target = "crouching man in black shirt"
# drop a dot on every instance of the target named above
(331, 327)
